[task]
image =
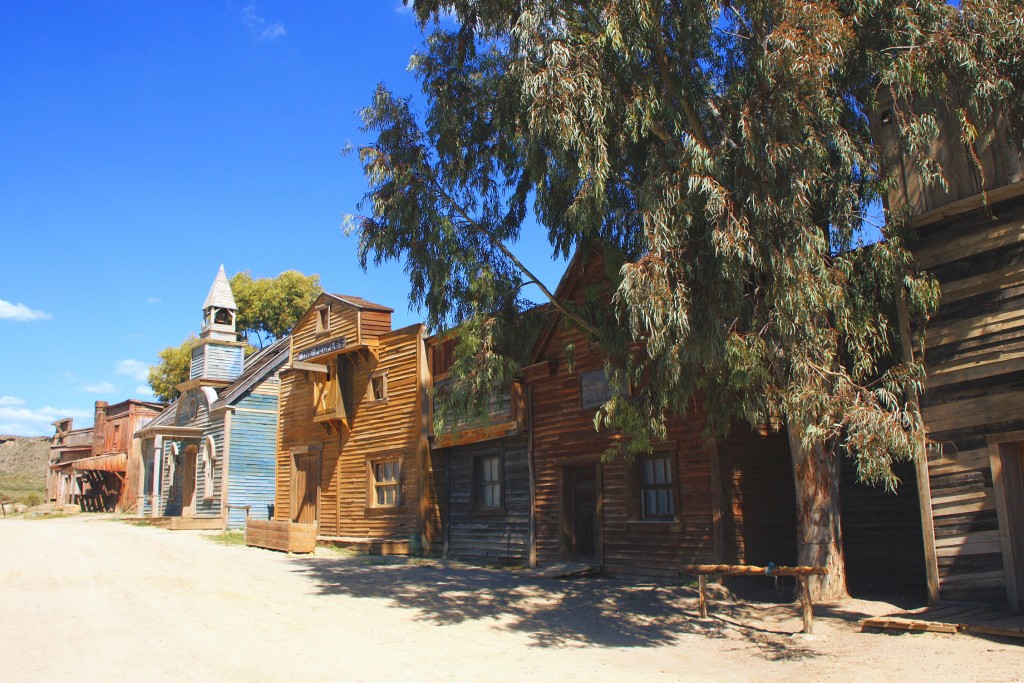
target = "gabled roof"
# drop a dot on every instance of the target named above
(220, 294)
(360, 303)
(569, 280)
(257, 367)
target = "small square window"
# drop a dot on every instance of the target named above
(657, 490)
(386, 478)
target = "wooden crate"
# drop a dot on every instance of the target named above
(284, 536)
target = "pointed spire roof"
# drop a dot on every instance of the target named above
(220, 293)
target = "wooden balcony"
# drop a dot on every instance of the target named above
(505, 417)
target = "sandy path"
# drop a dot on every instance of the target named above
(90, 599)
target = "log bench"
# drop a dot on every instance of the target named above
(801, 574)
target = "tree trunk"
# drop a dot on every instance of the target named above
(819, 532)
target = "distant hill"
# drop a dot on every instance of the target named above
(23, 464)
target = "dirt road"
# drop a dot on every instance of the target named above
(90, 599)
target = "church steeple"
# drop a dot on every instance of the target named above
(218, 356)
(219, 310)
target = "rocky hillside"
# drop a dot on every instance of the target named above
(23, 463)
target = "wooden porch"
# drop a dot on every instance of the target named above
(186, 523)
(972, 619)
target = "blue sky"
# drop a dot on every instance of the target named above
(146, 143)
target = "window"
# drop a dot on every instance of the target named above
(378, 388)
(657, 492)
(386, 476)
(209, 459)
(323, 319)
(488, 478)
(594, 388)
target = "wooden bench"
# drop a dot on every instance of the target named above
(801, 573)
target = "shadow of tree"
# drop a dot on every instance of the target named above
(592, 611)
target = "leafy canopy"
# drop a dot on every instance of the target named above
(172, 370)
(719, 152)
(268, 308)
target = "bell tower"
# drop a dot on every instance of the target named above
(218, 355)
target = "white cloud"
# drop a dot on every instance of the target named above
(16, 419)
(20, 312)
(259, 27)
(135, 369)
(98, 388)
(153, 300)
(144, 391)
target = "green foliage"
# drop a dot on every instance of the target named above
(229, 537)
(268, 308)
(720, 153)
(172, 370)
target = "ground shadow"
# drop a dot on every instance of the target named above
(592, 610)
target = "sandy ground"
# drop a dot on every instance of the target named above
(89, 599)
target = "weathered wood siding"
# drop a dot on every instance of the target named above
(564, 435)
(758, 498)
(484, 535)
(208, 506)
(1000, 160)
(975, 387)
(253, 453)
(217, 361)
(370, 431)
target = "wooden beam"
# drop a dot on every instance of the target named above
(308, 367)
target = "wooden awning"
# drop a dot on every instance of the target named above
(109, 462)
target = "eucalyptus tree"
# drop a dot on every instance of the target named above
(719, 151)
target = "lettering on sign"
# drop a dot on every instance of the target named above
(594, 388)
(321, 349)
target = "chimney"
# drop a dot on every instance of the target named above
(98, 428)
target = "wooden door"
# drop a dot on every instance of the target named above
(580, 514)
(188, 485)
(306, 489)
(1008, 482)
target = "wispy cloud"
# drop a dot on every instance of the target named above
(20, 312)
(260, 27)
(98, 388)
(153, 300)
(130, 367)
(144, 391)
(16, 418)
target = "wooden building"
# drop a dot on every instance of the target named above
(691, 500)
(971, 238)
(100, 467)
(482, 469)
(353, 453)
(210, 456)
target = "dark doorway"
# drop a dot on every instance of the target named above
(580, 514)
(306, 489)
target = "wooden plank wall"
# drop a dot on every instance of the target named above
(759, 499)
(486, 536)
(1000, 160)
(564, 435)
(253, 452)
(975, 359)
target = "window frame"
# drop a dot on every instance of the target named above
(371, 394)
(374, 485)
(637, 488)
(209, 460)
(323, 319)
(477, 472)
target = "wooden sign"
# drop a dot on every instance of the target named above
(321, 349)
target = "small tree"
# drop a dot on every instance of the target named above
(172, 370)
(268, 308)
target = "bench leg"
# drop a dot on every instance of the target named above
(805, 598)
(702, 580)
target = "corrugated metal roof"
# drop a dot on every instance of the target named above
(220, 294)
